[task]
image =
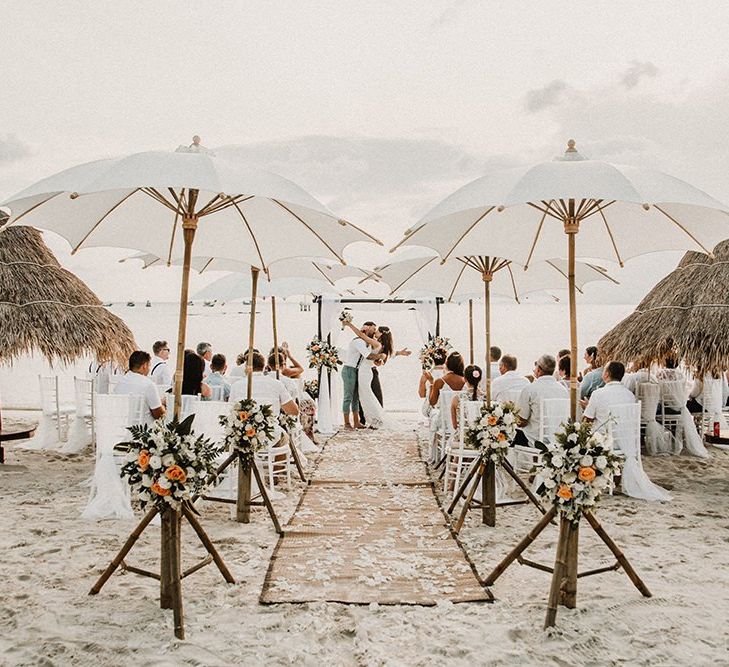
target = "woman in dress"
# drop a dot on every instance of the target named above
(470, 392)
(192, 376)
(452, 378)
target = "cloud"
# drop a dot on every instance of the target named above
(547, 96)
(12, 149)
(637, 71)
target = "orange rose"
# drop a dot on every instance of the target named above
(243, 415)
(159, 490)
(586, 474)
(493, 420)
(143, 460)
(501, 436)
(176, 474)
(564, 492)
(250, 431)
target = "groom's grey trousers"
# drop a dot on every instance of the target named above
(350, 402)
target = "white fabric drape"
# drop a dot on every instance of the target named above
(324, 405)
(327, 408)
(331, 306)
(426, 315)
(713, 400)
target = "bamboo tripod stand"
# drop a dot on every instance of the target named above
(563, 589)
(485, 475)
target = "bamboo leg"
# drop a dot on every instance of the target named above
(243, 501)
(469, 499)
(568, 591)
(124, 551)
(522, 546)
(189, 226)
(488, 495)
(207, 543)
(266, 500)
(632, 575)
(175, 576)
(170, 547)
(560, 566)
(535, 501)
(464, 485)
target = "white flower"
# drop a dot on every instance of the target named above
(569, 477)
(508, 418)
(572, 437)
(258, 417)
(586, 461)
(155, 462)
(549, 483)
(557, 461)
(168, 460)
(146, 480)
(600, 482)
(164, 482)
(601, 462)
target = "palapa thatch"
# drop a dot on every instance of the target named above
(45, 308)
(686, 314)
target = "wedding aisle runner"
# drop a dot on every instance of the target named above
(369, 529)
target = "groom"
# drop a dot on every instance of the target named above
(357, 350)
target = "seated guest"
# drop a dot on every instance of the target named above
(218, 368)
(470, 392)
(452, 378)
(590, 358)
(266, 389)
(632, 380)
(240, 366)
(205, 351)
(161, 373)
(136, 383)
(545, 386)
(494, 357)
(192, 376)
(563, 370)
(508, 379)
(613, 393)
(427, 378)
(295, 370)
(562, 353)
(286, 380)
(592, 378)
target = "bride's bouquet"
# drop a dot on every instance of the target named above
(167, 463)
(577, 468)
(493, 430)
(322, 355)
(428, 350)
(345, 317)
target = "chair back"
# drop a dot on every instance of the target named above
(189, 405)
(712, 396)
(84, 394)
(207, 418)
(512, 395)
(553, 412)
(625, 428)
(445, 399)
(50, 400)
(673, 393)
(217, 393)
(113, 412)
(469, 412)
(649, 396)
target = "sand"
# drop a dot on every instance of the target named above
(50, 557)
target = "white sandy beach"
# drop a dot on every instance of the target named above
(51, 557)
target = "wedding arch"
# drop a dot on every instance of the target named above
(427, 315)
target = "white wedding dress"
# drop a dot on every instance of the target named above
(374, 413)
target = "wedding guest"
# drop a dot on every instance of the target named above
(563, 353)
(427, 378)
(471, 392)
(136, 383)
(239, 370)
(285, 379)
(192, 376)
(205, 350)
(293, 371)
(590, 358)
(494, 357)
(545, 386)
(636, 378)
(592, 377)
(218, 369)
(508, 379)
(266, 389)
(612, 393)
(563, 371)
(161, 373)
(452, 378)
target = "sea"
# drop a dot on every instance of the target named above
(525, 330)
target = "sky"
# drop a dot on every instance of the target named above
(378, 108)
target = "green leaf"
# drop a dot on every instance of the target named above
(185, 427)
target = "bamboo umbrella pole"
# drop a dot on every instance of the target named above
(470, 331)
(571, 227)
(275, 337)
(487, 276)
(189, 227)
(252, 329)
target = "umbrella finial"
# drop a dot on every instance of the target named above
(571, 153)
(570, 146)
(196, 141)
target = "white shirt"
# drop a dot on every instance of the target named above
(545, 386)
(356, 349)
(208, 368)
(495, 372)
(612, 394)
(266, 390)
(632, 380)
(237, 372)
(161, 374)
(509, 381)
(136, 384)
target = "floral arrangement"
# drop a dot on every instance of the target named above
(493, 430)
(345, 317)
(288, 422)
(428, 350)
(322, 355)
(167, 463)
(249, 428)
(311, 387)
(577, 468)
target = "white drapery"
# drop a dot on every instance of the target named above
(426, 315)
(326, 405)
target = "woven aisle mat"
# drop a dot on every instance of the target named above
(381, 538)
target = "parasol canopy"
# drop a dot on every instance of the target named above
(45, 308)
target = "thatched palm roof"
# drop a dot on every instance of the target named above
(686, 314)
(45, 308)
